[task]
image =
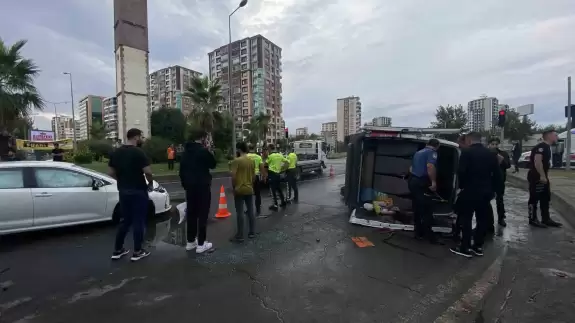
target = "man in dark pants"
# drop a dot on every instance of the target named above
(478, 174)
(516, 152)
(292, 175)
(421, 182)
(57, 153)
(197, 181)
(463, 142)
(277, 163)
(128, 165)
(539, 186)
(259, 178)
(504, 164)
(243, 172)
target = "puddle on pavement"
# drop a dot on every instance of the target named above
(165, 229)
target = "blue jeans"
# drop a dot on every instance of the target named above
(134, 208)
(239, 201)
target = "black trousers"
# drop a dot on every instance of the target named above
(258, 194)
(198, 208)
(275, 186)
(474, 203)
(516, 164)
(422, 207)
(170, 164)
(539, 193)
(292, 183)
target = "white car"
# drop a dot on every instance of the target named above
(37, 195)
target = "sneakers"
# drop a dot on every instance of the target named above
(137, 255)
(273, 207)
(478, 251)
(119, 254)
(551, 223)
(461, 252)
(536, 223)
(192, 245)
(207, 246)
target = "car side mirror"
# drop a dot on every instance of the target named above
(96, 184)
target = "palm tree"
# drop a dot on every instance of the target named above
(259, 126)
(206, 96)
(97, 131)
(18, 95)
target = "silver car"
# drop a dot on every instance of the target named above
(37, 195)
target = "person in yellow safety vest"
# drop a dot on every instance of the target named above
(292, 175)
(276, 164)
(259, 164)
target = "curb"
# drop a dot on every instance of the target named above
(558, 203)
(175, 177)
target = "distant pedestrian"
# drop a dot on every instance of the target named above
(171, 152)
(516, 153)
(259, 178)
(499, 189)
(291, 176)
(57, 153)
(196, 180)
(478, 174)
(243, 172)
(277, 163)
(130, 166)
(422, 182)
(539, 186)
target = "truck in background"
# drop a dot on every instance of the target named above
(311, 156)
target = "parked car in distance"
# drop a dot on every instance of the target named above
(36, 195)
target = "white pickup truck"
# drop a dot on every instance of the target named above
(311, 156)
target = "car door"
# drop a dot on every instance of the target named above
(16, 208)
(64, 196)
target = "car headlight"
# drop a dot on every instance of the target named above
(159, 189)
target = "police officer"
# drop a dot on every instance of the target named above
(478, 173)
(504, 164)
(421, 182)
(276, 164)
(291, 175)
(258, 162)
(539, 187)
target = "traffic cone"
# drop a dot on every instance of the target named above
(223, 205)
(331, 174)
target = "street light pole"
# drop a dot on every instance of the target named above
(73, 114)
(568, 139)
(243, 3)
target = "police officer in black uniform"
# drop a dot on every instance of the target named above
(478, 174)
(539, 186)
(422, 182)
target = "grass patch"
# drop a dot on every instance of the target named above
(158, 169)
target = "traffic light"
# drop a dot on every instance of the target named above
(501, 119)
(287, 134)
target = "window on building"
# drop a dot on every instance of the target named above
(244, 82)
(244, 97)
(244, 89)
(244, 52)
(244, 66)
(244, 59)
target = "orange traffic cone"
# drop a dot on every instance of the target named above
(223, 205)
(331, 174)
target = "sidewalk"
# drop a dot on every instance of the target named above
(562, 191)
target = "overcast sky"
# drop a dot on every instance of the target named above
(403, 58)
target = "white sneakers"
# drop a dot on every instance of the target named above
(199, 249)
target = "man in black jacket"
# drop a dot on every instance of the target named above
(499, 189)
(516, 152)
(478, 174)
(197, 181)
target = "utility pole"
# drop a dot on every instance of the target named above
(568, 141)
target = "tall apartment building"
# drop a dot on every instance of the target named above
(63, 127)
(111, 117)
(301, 131)
(348, 117)
(381, 122)
(482, 114)
(90, 110)
(168, 85)
(132, 66)
(255, 82)
(329, 132)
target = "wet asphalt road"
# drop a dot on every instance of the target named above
(302, 267)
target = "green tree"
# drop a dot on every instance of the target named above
(450, 117)
(517, 127)
(18, 95)
(258, 128)
(557, 127)
(223, 129)
(97, 130)
(169, 124)
(314, 136)
(205, 95)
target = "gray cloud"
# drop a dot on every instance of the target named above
(402, 58)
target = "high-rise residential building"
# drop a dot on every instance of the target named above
(168, 85)
(381, 122)
(301, 131)
(348, 117)
(111, 117)
(255, 82)
(329, 132)
(90, 110)
(63, 127)
(482, 114)
(132, 66)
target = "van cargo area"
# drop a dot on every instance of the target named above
(382, 183)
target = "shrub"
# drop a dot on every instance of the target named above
(83, 156)
(218, 154)
(155, 148)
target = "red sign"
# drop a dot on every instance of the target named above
(38, 135)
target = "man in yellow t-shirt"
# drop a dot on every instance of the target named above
(292, 175)
(243, 174)
(276, 164)
(259, 165)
